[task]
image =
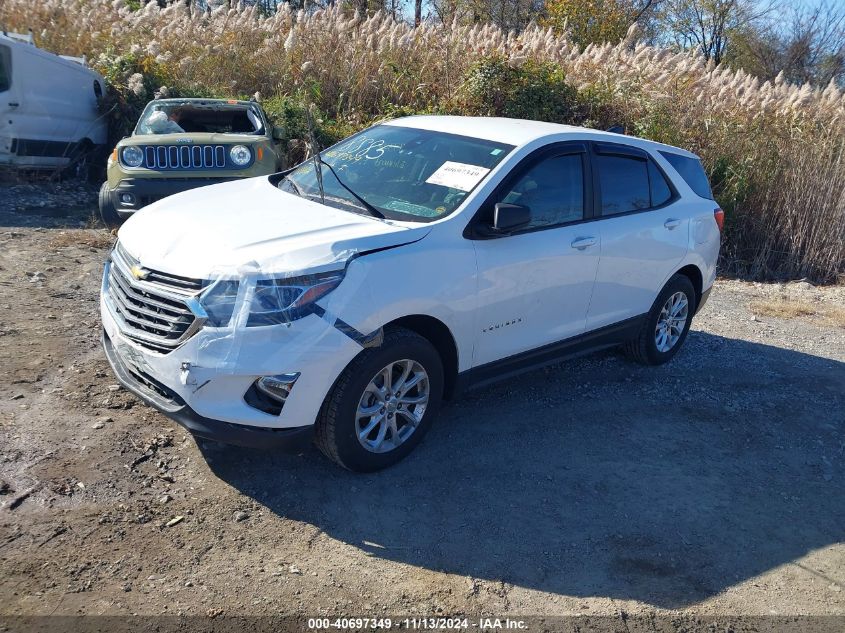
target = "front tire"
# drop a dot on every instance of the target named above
(382, 404)
(108, 214)
(666, 325)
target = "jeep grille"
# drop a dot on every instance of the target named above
(179, 157)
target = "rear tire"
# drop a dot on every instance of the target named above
(663, 332)
(362, 398)
(108, 214)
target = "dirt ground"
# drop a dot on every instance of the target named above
(712, 485)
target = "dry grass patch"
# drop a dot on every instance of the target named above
(90, 238)
(783, 308)
(835, 315)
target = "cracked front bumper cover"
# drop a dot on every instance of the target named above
(170, 404)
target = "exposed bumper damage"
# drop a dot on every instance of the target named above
(170, 404)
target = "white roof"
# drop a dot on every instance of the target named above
(519, 132)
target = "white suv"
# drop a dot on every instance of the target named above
(348, 297)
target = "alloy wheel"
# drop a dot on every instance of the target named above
(671, 322)
(392, 406)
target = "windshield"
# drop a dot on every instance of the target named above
(179, 117)
(399, 173)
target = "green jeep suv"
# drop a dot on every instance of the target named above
(180, 144)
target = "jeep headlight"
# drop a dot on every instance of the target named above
(240, 155)
(132, 156)
(284, 300)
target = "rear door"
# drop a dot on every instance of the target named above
(644, 230)
(535, 284)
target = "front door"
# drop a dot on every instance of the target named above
(534, 285)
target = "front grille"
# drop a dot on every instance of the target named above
(158, 311)
(182, 157)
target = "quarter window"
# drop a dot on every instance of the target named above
(553, 190)
(692, 172)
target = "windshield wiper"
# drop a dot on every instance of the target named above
(318, 159)
(296, 188)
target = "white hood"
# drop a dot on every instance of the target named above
(248, 225)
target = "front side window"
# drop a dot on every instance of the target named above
(5, 68)
(397, 172)
(624, 184)
(553, 191)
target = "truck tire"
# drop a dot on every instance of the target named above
(108, 214)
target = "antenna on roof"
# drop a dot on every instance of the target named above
(616, 129)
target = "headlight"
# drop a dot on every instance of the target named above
(240, 155)
(132, 156)
(283, 300)
(218, 300)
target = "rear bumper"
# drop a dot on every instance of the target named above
(170, 404)
(144, 191)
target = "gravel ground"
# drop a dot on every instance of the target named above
(710, 486)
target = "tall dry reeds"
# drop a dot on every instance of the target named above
(774, 150)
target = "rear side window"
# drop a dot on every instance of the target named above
(5, 68)
(624, 184)
(692, 172)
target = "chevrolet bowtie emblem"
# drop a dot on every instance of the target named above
(139, 273)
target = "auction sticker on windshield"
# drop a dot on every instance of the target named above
(457, 175)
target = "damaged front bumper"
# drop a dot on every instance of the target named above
(163, 399)
(211, 383)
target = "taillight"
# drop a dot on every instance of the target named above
(719, 215)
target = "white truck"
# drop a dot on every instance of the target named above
(49, 107)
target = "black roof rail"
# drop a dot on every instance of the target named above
(617, 129)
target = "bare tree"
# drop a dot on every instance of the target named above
(506, 14)
(814, 47)
(805, 44)
(709, 25)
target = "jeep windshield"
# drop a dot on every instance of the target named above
(189, 116)
(397, 172)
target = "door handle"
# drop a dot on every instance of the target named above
(14, 105)
(583, 242)
(672, 223)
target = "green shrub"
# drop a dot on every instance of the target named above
(529, 90)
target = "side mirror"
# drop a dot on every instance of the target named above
(278, 133)
(507, 217)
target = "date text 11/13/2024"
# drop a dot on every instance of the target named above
(419, 623)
